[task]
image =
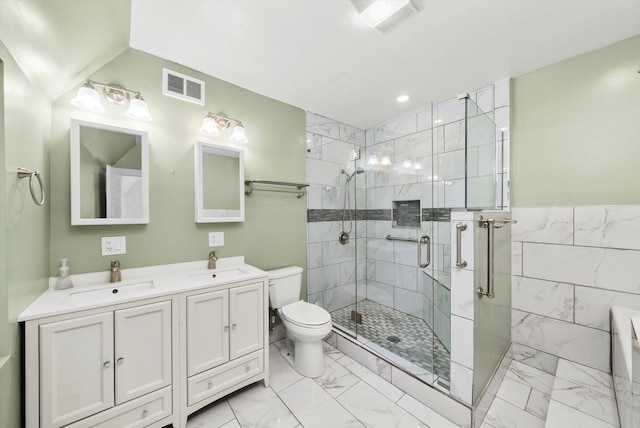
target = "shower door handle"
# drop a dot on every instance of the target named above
(490, 225)
(424, 239)
(460, 227)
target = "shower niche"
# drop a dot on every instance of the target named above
(406, 214)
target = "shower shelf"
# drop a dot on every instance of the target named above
(299, 193)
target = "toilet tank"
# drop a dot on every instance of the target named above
(284, 286)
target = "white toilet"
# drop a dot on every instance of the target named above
(306, 324)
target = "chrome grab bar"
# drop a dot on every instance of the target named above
(460, 227)
(490, 225)
(424, 239)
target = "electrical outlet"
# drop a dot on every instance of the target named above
(114, 245)
(216, 239)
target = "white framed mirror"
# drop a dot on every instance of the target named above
(219, 174)
(109, 174)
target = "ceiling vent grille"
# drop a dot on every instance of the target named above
(181, 86)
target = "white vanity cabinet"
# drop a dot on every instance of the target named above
(124, 356)
(106, 368)
(225, 341)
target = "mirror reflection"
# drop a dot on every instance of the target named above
(109, 174)
(219, 183)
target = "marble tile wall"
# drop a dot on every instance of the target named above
(425, 149)
(424, 156)
(331, 267)
(569, 266)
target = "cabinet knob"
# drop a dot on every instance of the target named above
(234, 325)
(106, 364)
(226, 328)
(247, 368)
(120, 360)
(209, 385)
(145, 413)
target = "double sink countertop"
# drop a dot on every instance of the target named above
(93, 290)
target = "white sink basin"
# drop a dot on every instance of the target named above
(220, 274)
(103, 294)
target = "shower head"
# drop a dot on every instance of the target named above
(358, 170)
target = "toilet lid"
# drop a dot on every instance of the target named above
(306, 313)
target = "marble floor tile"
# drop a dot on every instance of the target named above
(424, 413)
(538, 404)
(374, 409)
(561, 416)
(601, 406)
(214, 416)
(314, 407)
(331, 351)
(281, 374)
(535, 378)
(534, 358)
(260, 407)
(514, 392)
(350, 395)
(505, 415)
(336, 379)
(593, 379)
(378, 383)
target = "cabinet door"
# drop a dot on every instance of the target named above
(207, 331)
(142, 350)
(76, 368)
(246, 315)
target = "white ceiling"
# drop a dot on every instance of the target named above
(317, 55)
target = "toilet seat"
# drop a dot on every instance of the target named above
(305, 314)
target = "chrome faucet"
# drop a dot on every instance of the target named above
(115, 271)
(212, 260)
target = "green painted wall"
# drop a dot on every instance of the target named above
(274, 233)
(24, 227)
(575, 130)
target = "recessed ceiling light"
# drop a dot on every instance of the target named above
(402, 98)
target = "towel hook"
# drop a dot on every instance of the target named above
(23, 173)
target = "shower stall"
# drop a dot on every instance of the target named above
(403, 230)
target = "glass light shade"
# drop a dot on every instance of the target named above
(238, 135)
(88, 98)
(209, 127)
(138, 110)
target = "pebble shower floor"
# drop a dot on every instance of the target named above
(404, 335)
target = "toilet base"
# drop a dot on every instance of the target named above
(307, 358)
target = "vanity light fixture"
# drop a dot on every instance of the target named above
(213, 123)
(384, 15)
(87, 98)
